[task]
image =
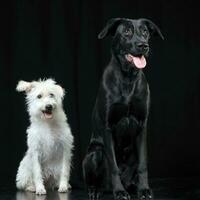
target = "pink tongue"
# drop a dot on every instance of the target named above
(48, 116)
(140, 62)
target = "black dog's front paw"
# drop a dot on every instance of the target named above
(145, 194)
(121, 195)
(94, 193)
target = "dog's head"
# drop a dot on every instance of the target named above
(43, 97)
(130, 43)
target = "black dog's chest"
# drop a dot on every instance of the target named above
(122, 105)
(129, 100)
(126, 92)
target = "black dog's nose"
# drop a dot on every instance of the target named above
(142, 45)
(49, 107)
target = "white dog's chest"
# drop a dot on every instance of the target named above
(51, 148)
(49, 142)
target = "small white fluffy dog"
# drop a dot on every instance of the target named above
(48, 159)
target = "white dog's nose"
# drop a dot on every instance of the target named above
(49, 107)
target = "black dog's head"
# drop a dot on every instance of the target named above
(130, 40)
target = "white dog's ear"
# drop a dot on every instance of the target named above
(61, 91)
(24, 86)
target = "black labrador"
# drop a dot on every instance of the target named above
(116, 154)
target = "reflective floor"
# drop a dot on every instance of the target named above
(162, 191)
(81, 195)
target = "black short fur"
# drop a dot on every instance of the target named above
(116, 156)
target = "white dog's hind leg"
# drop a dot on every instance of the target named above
(24, 175)
(37, 175)
(65, 173)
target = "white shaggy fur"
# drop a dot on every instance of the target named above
(47, 161)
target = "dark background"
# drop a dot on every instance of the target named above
(59, 39)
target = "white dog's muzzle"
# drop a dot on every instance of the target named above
(48, 111)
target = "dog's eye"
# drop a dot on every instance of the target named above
(39, 96)
(51, 95)
(128, 32)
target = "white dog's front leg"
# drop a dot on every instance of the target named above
(37, 175)
(65, 173)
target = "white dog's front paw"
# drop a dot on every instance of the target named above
(30, 188)
(63, 188)
(40, 190)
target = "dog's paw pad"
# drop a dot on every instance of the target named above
(63, 188)
(41, 191)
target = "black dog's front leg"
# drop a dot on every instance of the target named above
(118, 189)
(144, 192)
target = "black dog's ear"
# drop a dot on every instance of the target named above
(110, 27)
(152, 27)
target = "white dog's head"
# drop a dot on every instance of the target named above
(43, 97)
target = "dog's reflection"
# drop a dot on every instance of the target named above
(22, 195)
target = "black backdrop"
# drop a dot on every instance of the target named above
(59, 39)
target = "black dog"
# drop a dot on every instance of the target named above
(117, 152)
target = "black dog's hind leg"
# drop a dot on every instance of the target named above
(94, 171)
(144, 192)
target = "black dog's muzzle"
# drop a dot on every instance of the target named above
(142, 48)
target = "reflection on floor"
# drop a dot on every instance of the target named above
(49, 196)
(172, 192)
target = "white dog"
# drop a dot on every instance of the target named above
(48, 159)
